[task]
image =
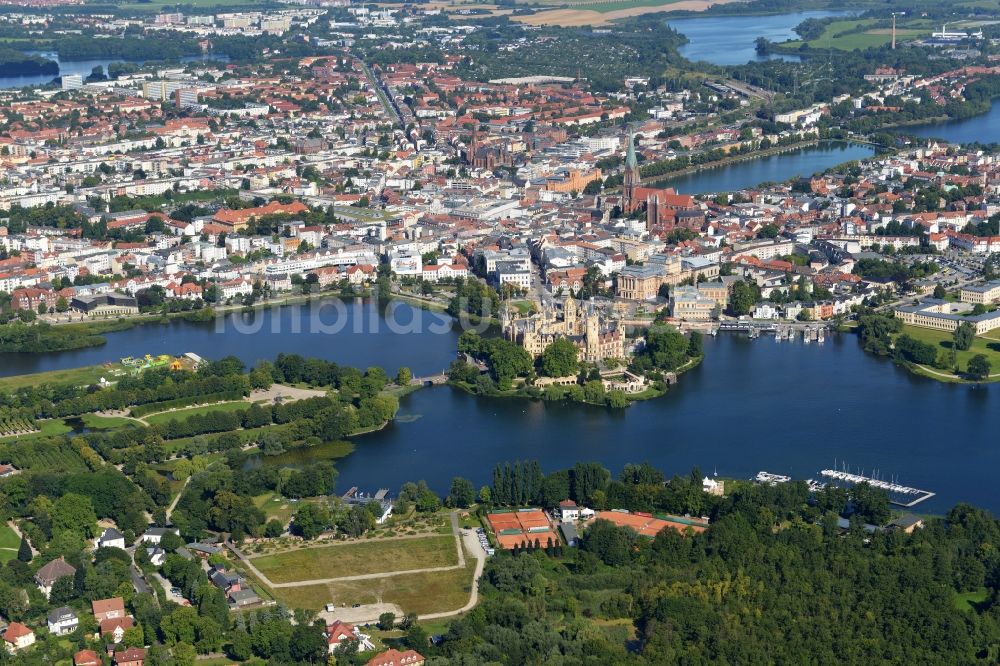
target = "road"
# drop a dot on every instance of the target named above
(173, 505)
(472, 545)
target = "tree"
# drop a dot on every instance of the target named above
(24, 550)
(940, 292)
(403, 377)
(560, 359)
(616, 399)
(311, 520)
(695, 344)
(462, 493)
(387, 621)
(307, 644)
(612, 544)
(63, 591)
(964, 334)
(742, 299)
(75, 513)
(979, 367)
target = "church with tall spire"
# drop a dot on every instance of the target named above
(632, 178)
(661, 204)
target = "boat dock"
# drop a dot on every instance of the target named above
(899, 495)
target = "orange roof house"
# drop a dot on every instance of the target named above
(238, 219)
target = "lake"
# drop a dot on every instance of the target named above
(730, 40)
(788, 407)
(984, 128)
(780, 167)
(354, 333)
(81, 67)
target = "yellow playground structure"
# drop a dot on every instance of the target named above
(149, 361)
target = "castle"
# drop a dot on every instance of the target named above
(584, 325)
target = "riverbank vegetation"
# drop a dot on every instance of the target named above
(939, 355)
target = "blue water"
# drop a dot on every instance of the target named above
(984, 128)
(774, 168)
(729, 40)
(70, 67)
(788, 407)
(358, 335)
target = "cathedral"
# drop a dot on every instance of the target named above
(581, 323)
(661, 204)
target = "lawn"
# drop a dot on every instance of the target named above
(943, 340)
(95, 422)
(275, 506)
(181, 414)
(876, 35)
(9, 543)
(423, 593)
(967, 601)
(357, 558)
(84, 376)
(46, 428)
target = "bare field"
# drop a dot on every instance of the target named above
(569, 18)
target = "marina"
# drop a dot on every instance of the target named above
(898, 494)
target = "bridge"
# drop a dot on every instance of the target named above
(430, 380)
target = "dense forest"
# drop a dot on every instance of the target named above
(775, 579)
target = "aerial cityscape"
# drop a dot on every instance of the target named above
(454, 332)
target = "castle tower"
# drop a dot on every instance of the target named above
(632, 178)
(570, 315)
(593, 337)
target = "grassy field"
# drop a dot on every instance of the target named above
(46, 428)
(358, 558)
(872, 33)
(9, 543)
(601, 6)
(942, 340)
(181, 414)
(95, 422)
(84, 376)
(967, 601)
(415, 593)
(276, 506)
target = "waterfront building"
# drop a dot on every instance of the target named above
(105, 305)
(595, 335)
(689, 304)
(944, 316)
(981, 293)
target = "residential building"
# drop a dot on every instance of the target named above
(110, 538)
(338, 632)
(131, 657)
(108, 609)
(47, 576)
(18, 637)
(394, 657)
(62, 621)
(86, 658)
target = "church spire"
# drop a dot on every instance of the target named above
(632, 177)
(630, 159)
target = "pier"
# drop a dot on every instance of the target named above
(903, 493)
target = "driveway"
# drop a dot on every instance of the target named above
(362, 614)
